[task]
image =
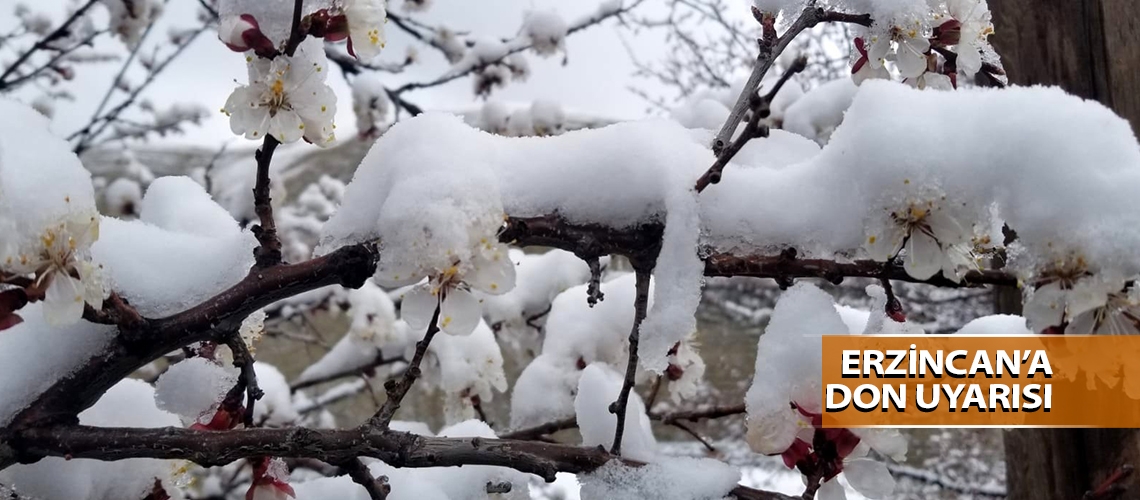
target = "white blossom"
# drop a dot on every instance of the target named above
(935, 241)
(365, 27)
(62, 269)
(490, 271)
(1120, 315)
(287, 98)
(976, 27)
(1067, 290)
(910, 46)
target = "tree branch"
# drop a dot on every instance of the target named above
(619, 407)
(268, 251)
(398, 449)
(58, 33)
(398, 389)
(61, 403)
(377, 488)
(770, 48)
(354, 371)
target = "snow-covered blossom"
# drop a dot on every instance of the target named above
(270, 481)
(1067, 290)
(547, 118)
(547, 32)
(370, 104)
(366, 20)
(122, 197)
(130, 17)
(911, 46)
(974, 29)
(63, 268)
(935, 240)
(286, 98)
(686, 370)
(489, 271)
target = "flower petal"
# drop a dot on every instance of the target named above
(92, 278)
(63, 301)
(911, 58)
(923, 256)
(831, 490)
(418, 306)
(1045, 308)
(888, 442)
(460, 312)
(494, 274)
(869, 477)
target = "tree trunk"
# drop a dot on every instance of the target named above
(1090, 48)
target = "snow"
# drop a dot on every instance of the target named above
(183, 249)
(41, 180)
(122, 197)
(788, 366)
(33, 356)
(544, 392)
(597, 389)
(464, 367)
(130, 403)
(539, 278)
(997, 324)
(679, 478)
(193, 388)
(275, 408)
(819, 112)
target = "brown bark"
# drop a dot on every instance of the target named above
(1090, 48)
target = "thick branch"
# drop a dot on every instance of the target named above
(398, 449)
(61, 403)
(642, 242)
(619, 407)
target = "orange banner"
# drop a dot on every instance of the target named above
(968, 381)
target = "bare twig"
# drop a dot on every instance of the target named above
(640, 305)
(377, 487)
(268, 251)
(243, 360)
(60, 32)
(398, 389)
(771, 47)
(354, 371)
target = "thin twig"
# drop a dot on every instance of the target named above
(770, 48)
(377, 487)
(398, 389)
(58, 33)
(243, 360)
(355, 371)
(619, 407)
(268, 251)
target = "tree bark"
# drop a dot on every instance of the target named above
(1090, 48)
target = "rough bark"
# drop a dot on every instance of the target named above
(1090, 48)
